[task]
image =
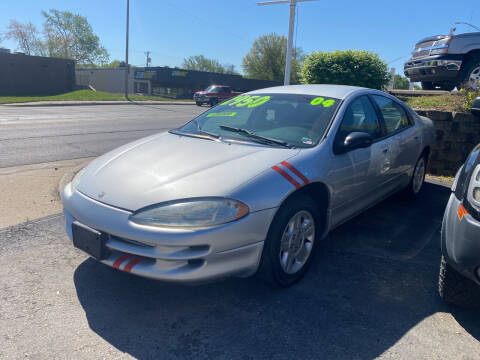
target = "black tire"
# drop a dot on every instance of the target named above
(270, 269)
(213, 102)
(411, 190)
(456, 289)
(427, 85)
(199, 103)
(468, 68)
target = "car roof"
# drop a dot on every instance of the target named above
(334, 91)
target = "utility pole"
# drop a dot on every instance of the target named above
(149, 59)
(291, 28)
(127, 67)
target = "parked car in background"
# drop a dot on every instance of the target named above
(459, 281)
(446, 61)
(214, 94)
(250, 186)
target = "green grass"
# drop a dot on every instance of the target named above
(460, 102)
(453, 103)
(80, 95)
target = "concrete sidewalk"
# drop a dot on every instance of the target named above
(31, 191)
(76, 103)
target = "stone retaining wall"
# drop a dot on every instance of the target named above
(457, 134)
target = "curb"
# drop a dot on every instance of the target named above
(83, 103)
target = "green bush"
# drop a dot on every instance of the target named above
(469, 96)
(349, 67)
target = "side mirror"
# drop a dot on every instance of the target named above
(475, 110)
(354, 140)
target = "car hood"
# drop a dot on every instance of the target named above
(201, 92)
(167, 166)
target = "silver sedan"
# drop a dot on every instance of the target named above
(251, 186)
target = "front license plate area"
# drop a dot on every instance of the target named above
(90, 241)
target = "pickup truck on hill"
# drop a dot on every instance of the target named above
(214, 94)
(444, 62)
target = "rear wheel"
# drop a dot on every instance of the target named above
(213, 101)
(291, 242)
(456, 289)
(418, 177)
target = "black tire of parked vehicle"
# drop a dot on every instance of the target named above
(213, 101)
(427, 85)
(465, 72)
(199, 103)
(270, 269)
(456, 289)
(411, 191)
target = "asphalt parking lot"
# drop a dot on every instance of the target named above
(370, 293)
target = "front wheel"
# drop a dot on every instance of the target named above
(470, 76)
(418, 177)
(291, 242)
(456, 289)
(198, 103)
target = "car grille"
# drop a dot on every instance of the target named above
(421, 53)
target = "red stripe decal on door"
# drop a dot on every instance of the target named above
(132, 263)
(286, 176)
(295, 171)
(120, 260)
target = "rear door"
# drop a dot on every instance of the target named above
(403, 137)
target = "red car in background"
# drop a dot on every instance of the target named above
(214, 94)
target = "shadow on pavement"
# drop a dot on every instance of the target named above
(375, 280)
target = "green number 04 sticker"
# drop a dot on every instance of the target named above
(321, 100)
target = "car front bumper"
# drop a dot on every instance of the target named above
(461, 241)
(177, 255)
(434, 69)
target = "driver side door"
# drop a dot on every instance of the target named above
(368, 167)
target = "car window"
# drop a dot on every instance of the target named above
(299, 120)
(394, 116)
(360, 116)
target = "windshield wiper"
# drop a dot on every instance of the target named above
(255, 136)
(201, 131)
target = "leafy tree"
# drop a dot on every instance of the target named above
(70, 36)
(26, 36)
(266, 59)
(201, 63)
(349, 67)
(114, 64)
(401, 82)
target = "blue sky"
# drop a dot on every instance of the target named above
(225, 29)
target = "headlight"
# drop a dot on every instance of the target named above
(191, 213)
(474, 188)
(76, 179)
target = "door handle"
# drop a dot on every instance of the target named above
(385, 151)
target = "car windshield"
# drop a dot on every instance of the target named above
(293, 119)
(210, 88)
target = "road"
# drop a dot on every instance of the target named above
(371, 293)
(32, 135)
